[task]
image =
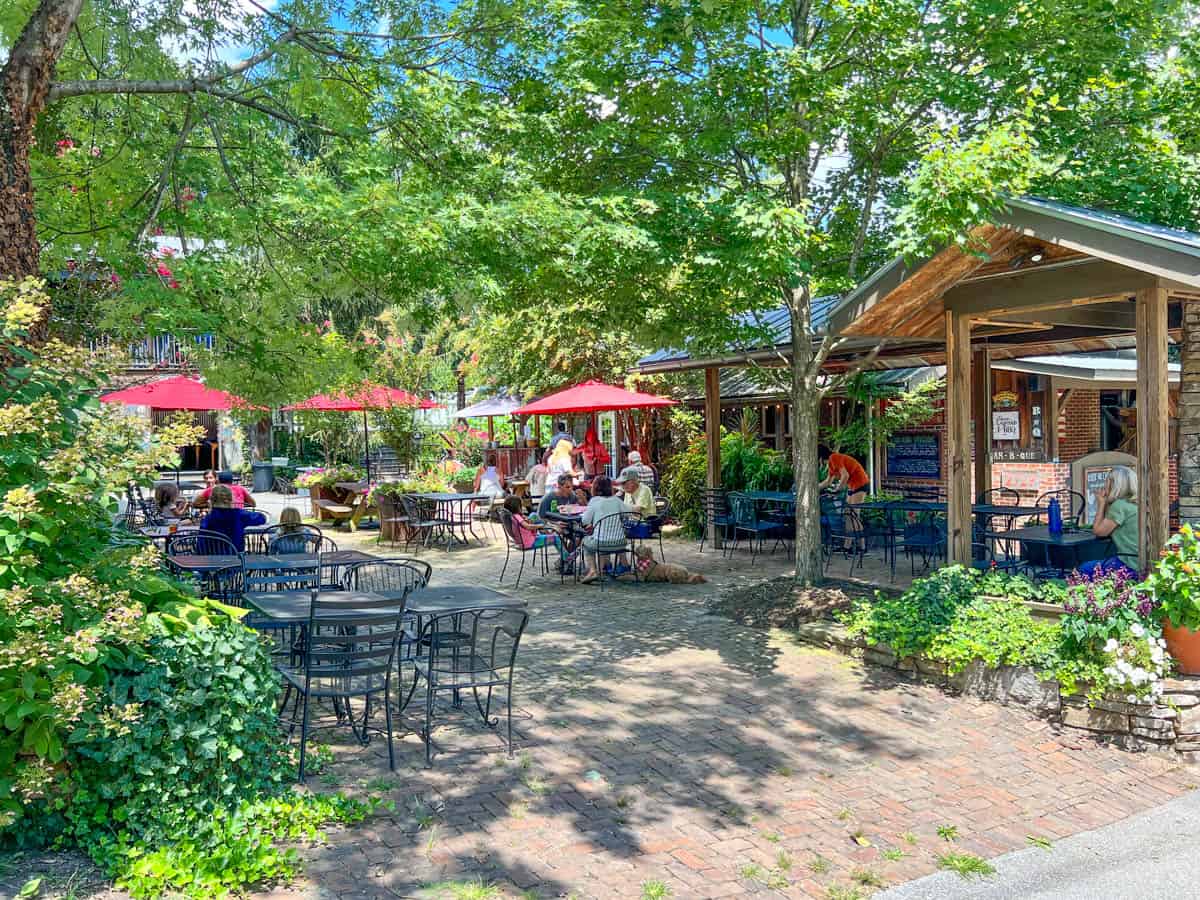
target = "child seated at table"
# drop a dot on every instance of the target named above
(289, 538)
(525, 532)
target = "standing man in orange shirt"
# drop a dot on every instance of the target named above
(845, 472)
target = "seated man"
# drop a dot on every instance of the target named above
(241, 497)
(646, 474)
(228, 520)
(562, 495)
(637, 495)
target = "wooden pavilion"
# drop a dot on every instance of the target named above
(1042, 275)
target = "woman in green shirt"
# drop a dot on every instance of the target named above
(1117, 520)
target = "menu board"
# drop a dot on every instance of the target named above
(1094, 478)
(915, 454)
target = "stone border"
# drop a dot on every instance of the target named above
(1172, 725)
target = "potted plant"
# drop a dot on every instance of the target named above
(1174, 585)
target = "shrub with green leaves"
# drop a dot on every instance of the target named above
(909, 622)
(137, 721)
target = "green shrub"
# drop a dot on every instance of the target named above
(137, 721)
(745, 466)
(997, 633)
(909, 623)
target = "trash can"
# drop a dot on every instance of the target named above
(264, 476)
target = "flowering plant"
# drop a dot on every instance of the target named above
(1136, 664)
(1173, 585)
(1103, 605)
(328, 477)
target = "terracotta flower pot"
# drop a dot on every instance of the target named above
(1184, 645)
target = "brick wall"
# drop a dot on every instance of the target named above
(1079, 425)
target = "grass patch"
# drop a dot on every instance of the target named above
(837, 892)
(844, 815)
(966, 865)
(818, 865)
(783, 861)
(908, 837)
(655, 890)
(1037, 841)
(893, 854)
(866, 877)
(948, 832)
(464, 890)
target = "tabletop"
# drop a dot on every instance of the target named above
(979, 509)
(197, 562)
(294, 606)
(353, 487)
(434, 600)
(255, 561)
(773, 496)
(159, 532)
(452, 498)
(1040, 534)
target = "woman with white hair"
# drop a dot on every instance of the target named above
(1117, 520)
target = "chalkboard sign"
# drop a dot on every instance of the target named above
(915, 454)
(1094, 478)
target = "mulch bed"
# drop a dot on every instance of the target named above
(779, 603)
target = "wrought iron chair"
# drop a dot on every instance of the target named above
(514, 545)
(845, 535)
(925, 537)
(305, 541)
(714, 508)
(610, 537)
(744, 520)
(422, 522)
(481, 657)
(349, 653)
(984, 523)
(198, 543)
(389, 577)
(1071, 502)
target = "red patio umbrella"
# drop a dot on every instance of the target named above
(178, 392)
(368, 396)
(592, 396)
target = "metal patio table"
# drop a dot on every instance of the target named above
(451, 509)
(1064, 551)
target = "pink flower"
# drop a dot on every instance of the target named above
(63, 147)
(95, 151)
(172, 283)
(73, 188)
(327, 324)
(162, 270)
(115, 279)
(168, 251)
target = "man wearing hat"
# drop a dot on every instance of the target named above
(637, 495)
(646, 474)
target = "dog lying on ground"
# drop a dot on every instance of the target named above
(650, 569)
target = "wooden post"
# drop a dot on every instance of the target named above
(779, 414)
(712, 434)
(958, 436)
(981, 412)
(1153, 449)
(1050, 421)
(869, 415)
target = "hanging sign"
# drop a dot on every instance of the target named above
(1006, 425)
(1005, 400)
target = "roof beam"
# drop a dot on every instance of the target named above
(1052, 288)
(1112, 318)
(1098, 239)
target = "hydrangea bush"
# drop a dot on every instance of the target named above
(137, 721)
(1136, 664)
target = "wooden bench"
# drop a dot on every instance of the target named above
(337, 511)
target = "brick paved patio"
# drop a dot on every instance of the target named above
(661, 744)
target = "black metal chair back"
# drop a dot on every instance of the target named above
(480, 654)
(512, 544)
(388, 577)
(1072, 504)
(200, 543)
(300, 542)
(1001, 496)
(349, 651)
(714, 507)
(301, 574)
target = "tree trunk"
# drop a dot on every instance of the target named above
(24, 83)
(805, 411)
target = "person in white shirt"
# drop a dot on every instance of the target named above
(604, 533)
(646, 474)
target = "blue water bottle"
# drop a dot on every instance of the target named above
(1054, 513)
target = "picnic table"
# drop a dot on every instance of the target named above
(357, 504)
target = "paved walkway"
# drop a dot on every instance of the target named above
(660, 744)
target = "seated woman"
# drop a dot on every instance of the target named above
(290, 527)
(602, 505)
(1117, 520)
(524, 532)
(226, 520)
(487, 478)
(168, 502)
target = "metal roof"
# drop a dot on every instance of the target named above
(1110, 368)
(1160, 235)
(775, 322)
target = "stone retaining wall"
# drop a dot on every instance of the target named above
(1173, 725)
